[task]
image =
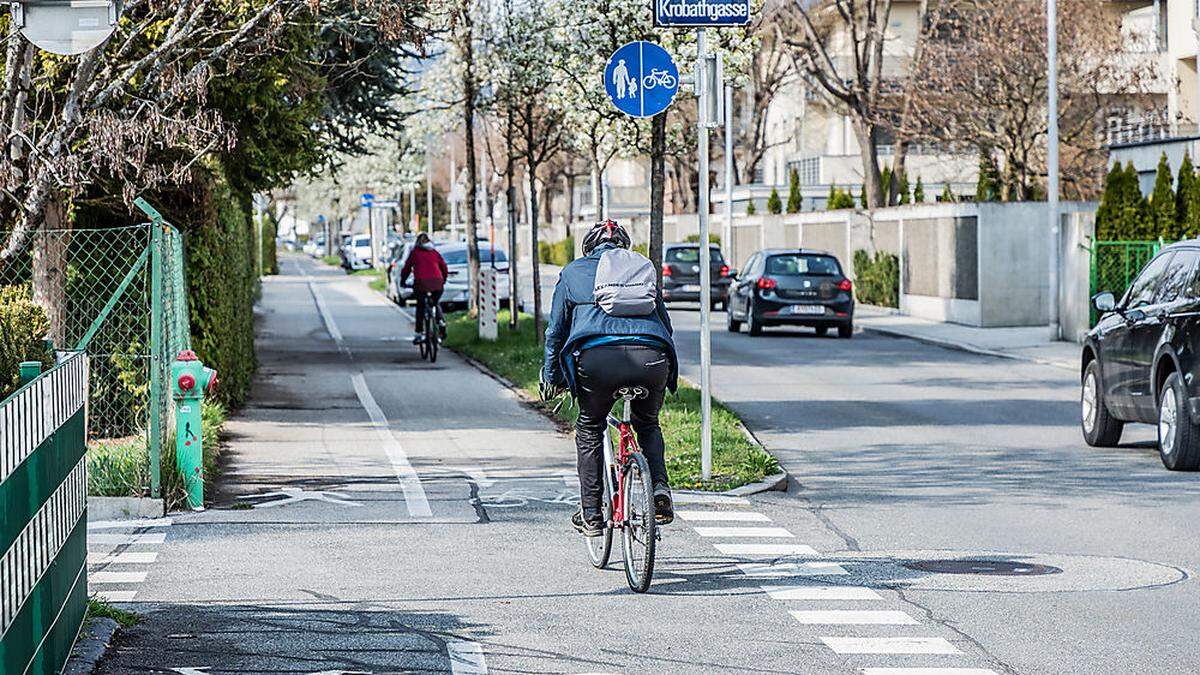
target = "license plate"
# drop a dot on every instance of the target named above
(806, 309)
(691, 288)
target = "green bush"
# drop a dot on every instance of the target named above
(839, 199)
(1162, 203)
(987, 189)
(1124, 214)
(919, 192)
(878, 281)
(545, 252)
(774, 203)
(644, 249)
(795, 199)
(23, 329)
(560, 253)
(751, 209)
(695, 238)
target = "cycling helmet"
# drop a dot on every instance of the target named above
(607, 231)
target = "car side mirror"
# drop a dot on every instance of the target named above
(1104, 302)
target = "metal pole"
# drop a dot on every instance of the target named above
(728, 236)
(412, 207)
(1052, 178)
(705, 269)
(158, 408)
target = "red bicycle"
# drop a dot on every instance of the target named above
(628, 500)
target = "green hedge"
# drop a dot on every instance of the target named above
(878, 281)
(559, 253)
(23, 329)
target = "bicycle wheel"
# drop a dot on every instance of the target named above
(600, 548)
(639, 535)
(431, 336)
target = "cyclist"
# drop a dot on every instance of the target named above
(429, 273)
(594, 354)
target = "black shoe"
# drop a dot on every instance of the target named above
(590, 525)
(664, 506)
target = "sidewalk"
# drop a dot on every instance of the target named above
(1024, 343)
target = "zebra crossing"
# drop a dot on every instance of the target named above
(120, 554)
(797, 574)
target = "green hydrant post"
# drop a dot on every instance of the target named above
(190, 381)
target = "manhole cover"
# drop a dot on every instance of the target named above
(1002, 568)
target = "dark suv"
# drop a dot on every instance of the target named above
(681, 274)
(1140, 361)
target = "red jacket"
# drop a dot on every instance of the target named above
(427, 268)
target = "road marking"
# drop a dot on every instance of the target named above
(766, 549)
(116, 577)
(466, 658)
(854, 617)
(153, 538)
(790, 569)
(724, 516)
(743, 532)
(115, 596)
(410, 483)
(326, 316)
(122, 558)
(692, 498)
(927, 671)
(295, 495)
(890, 645)
(118, 524)
(821, 593)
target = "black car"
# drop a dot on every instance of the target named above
(681, 274)
(795, 287)
(1140, 361)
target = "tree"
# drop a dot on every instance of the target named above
(464, 40)
(1109, 213)
(770, 72)
(774, 203)
(1162, 202)
(1183, 195)
(905, 196)
(1137, 217)
(987, 188)
(750, 208)
(919, 192)
(947, 194)
(795, 199)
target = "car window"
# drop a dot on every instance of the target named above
(362, 241)
(691, 255)
(1141, 293)
(1178, 277)
(751, 266)
(798, 264)
(455, 257)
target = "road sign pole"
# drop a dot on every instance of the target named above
(704, 89)
(1052, 170)
(728, 235)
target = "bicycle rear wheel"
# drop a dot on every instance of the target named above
(638, 536)
(600, 548)
(431, 336)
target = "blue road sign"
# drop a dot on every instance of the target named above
(699, 13)
(641, 79)
(367, 199)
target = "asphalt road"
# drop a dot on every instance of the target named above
(904, 451)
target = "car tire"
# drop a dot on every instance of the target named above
(1100, 428)
(1178, 437)
(822, 331)
(846, 331)
(732, 324)
(753, 322)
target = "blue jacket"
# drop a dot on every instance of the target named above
(575, 318)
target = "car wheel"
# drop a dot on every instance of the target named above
(752, 321)
(1100, 428)
(822, 331)
(1178, 438)
(732, 324)
(846, 331)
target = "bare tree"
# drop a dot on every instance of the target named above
(770, 70)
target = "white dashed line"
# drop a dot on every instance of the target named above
(119, 524)
(724, 516)
(854, 617)
(123, 558)
(791, 569)
(466, 658)
(821, 593)
(119, 539)
(766, 549)
(764, 532)
(927, 671)
(410, 483)
(116, 577)
(890, 645)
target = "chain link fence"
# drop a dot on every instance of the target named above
(119, 294)
(1115, 264)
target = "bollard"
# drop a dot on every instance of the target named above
(190, 381)
(29, 371)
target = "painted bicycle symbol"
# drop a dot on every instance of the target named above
(658, 78)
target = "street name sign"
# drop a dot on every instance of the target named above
(367, 200)
(701, 13)
(641, 79)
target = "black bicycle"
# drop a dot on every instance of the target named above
(431, 338)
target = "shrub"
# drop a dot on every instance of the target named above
(751, 209)
(839, 199)
(878, 281)
(947, 194)
(1162, 203)
(563, 252)
(544, 252)
(795, 200)
(774, 203)
(905, 196)
(23, 329)
(987, 189)
(713, 238)
(919, 192)
(1183, 195)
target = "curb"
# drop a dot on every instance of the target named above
(125, 508)
(964, 347)
(90, 647)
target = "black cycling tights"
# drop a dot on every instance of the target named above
(599, 373)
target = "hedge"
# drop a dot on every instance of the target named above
(560, 253)
(878, 281)
(23, 329)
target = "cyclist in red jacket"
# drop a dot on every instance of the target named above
(429, 273)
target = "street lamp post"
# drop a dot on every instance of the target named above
(1052, 177)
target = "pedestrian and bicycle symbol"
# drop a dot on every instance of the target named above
(641, 79)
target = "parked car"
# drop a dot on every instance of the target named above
(315, 246)
(1140, 362)
(795, 287)
(458, 286)
(358, 253)
(397, 254)
(681, 274)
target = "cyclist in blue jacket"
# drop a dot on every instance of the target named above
(593, 354)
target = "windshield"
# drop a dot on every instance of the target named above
(798, 264)
(459, 257)
(362, 241)
(692, 255)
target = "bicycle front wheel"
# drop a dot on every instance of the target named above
(639, 536)
(600, 548)
(431, 339)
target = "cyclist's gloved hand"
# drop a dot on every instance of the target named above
(547, 391)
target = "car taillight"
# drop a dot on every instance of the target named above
(724, 271)
(846, 286)
(766, 283)
(666, 270)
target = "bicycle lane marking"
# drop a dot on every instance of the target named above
(466, 657)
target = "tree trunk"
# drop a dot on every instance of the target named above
(472, 174)
(864, 132)
(570, 178)
(658, 152)
(514, 288)
(534, 257)
(50, 271)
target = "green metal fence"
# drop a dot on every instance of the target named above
(43, 534)
(120, 295)
(1115, 264)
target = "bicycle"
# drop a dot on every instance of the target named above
(659, 77)
(628, 500)
(432, 338)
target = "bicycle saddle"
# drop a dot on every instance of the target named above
(631, 393)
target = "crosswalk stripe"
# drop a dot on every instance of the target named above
(152, 538)
(116, 596)
(116, 577)
(854, 617)
(821, 593)
(694, 498)
(743, 532)
(813, 569)
(726, 516)
(122, 558)
(765, 549)
(890, 645)
(927, 671)
(118, 524)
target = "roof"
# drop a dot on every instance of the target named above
(803, 251)
(1155, 141)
